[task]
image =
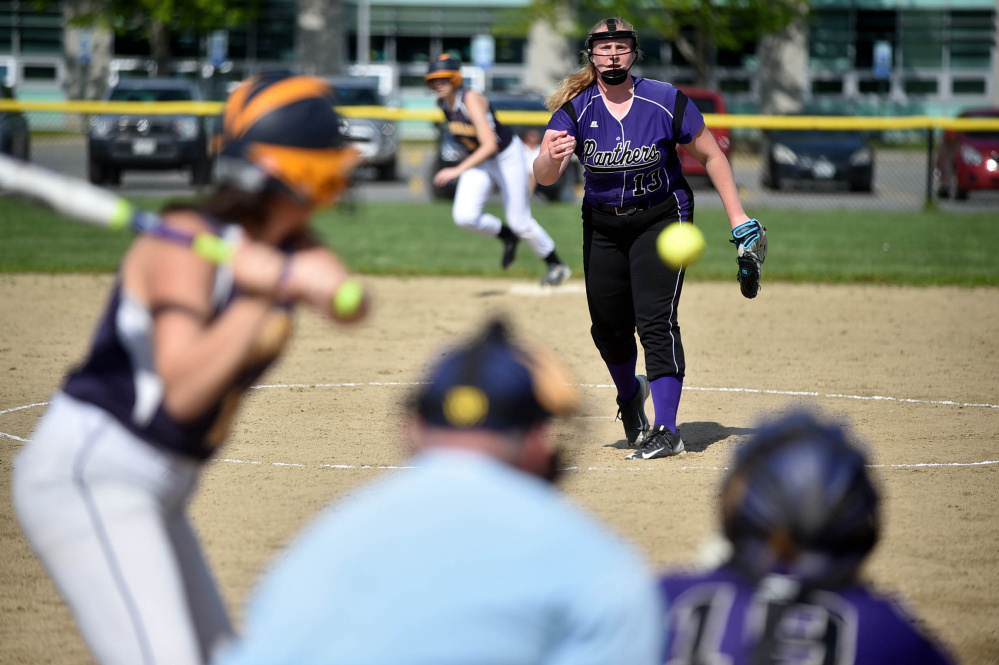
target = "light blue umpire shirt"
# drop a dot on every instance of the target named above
(462, 560)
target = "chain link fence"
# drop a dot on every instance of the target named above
(790, 162)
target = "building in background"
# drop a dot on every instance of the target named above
(853, 56)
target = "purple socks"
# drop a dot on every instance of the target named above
(623, 375)
(666, 400)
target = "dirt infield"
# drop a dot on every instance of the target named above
(915, 370)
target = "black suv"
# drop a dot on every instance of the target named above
(15, 139)
(377, 139)
(450, 151)
(149, 142)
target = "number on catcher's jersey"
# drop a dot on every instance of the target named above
(820, 632)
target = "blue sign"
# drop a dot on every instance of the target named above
(85, 47)
(483, 51)
(882, 60)
(218, 47)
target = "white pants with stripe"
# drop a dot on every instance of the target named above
(106, 514)
(508, 172)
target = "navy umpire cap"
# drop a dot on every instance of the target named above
(492, 382)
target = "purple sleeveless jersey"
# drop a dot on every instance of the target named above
(713, 618)
(631, 160)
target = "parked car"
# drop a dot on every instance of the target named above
(149, 142)
(969, 160)
(377, 139)
(706, 101)
(15, 137)
(450, 151)
(818, 156)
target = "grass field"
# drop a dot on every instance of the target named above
(824, 246)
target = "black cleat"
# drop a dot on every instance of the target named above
(632, 413)
(509, 250)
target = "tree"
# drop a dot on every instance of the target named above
(696, 27)
(157, 20)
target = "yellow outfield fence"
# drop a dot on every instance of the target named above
(872, 123)
(799, 161)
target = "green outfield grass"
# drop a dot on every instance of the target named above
(420, 239)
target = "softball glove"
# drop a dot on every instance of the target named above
(750, 239)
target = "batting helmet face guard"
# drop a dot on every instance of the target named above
(281, 132)
(444, 67)
(799, 502)
(613, 28)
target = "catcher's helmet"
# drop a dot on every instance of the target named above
(281, 131)
(444, 67)
(799, 501)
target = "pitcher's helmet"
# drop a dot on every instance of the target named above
(799, 501)
(612, 30)
(280, 131)
(444, 67)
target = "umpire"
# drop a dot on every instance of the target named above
(469, 555)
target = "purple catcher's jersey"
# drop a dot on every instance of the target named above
(631, 160)
(716, 617)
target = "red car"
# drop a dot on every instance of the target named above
(969, 160)
(706, 101)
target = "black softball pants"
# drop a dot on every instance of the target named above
(628, 287)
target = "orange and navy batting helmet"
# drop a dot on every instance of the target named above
(281, 131)
(444, 67)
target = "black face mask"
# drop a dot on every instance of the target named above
(614, 76)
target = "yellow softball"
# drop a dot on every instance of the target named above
(680, 245)
(348, 299)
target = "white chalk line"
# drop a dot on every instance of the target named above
(792, 393)
(607, 469)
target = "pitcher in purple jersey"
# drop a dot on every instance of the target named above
(101, 490)
(800, 515)
(624, 130)
(495, 159)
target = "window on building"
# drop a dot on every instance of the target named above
(510, 50)
(39, 73)
(652, 50)
(872, 86)
(6, 38)
(971, 39)
(504, 83)
(275, 30)
(412, 49)
(873, 26)
(186, 44)
(740, 58)
(735, 85)
(827, 87)
(922, 39)
(968, 86)
(918, 86)
(458, 47)
(829, 40)
(377, 51)
(41, 41)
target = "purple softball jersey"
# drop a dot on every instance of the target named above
(714, 617)
(631, 160)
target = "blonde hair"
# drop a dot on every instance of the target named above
(575, 83)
